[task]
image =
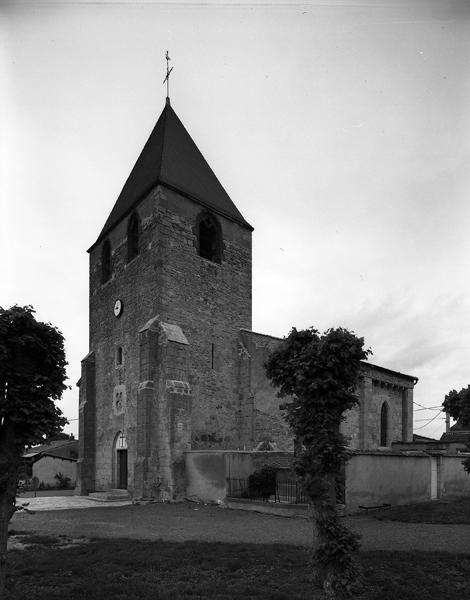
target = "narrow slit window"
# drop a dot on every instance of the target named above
(212, 356)
(384, 424)
(119, 356)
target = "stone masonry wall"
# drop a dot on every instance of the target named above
(259, 405)
(47, 467)
(350, 427)
(87, 427)
(259, 414)
(163, 412)
(209, 301)
(377, 386)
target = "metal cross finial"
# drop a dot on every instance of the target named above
(167, 78)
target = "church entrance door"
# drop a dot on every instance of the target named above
(120, 462)
(122, 469)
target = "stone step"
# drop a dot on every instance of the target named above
(110, 496)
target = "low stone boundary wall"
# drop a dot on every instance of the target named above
(207, 471)
(372, 478)
(453, 479)
(375, 478)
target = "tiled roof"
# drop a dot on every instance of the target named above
(48, 447)
(457, 433)
(460, 436)
(422, 438)
(171, 158)
(55, 448)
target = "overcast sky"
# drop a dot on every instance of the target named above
(340, 129)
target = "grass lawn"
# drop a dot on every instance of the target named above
(440, 511)
(120, 569)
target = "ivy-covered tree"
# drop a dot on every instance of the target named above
(457, 404)
(32, 375)
(319, 373)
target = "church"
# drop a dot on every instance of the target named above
(173, 365)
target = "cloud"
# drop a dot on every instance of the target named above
(422, 337)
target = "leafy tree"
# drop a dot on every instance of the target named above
(457, 404)
(319, 372)
(32, 375)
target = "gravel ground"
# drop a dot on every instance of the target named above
(46, 494)
(62, 502)
(188, 521)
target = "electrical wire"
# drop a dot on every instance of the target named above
(429, 422)
(426, 407)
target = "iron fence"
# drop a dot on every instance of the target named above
(287, 491)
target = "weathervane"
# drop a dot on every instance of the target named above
(167, 78)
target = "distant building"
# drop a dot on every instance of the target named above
(48, 460)
(457, 437)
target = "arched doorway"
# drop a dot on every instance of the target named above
(120, 461)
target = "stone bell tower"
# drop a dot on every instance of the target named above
(170, 288)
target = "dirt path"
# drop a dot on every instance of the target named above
(187, 521)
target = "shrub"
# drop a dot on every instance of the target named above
(63, 482)
(262, 483)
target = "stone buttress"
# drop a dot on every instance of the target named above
(163, 412)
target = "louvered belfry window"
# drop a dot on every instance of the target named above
(209, 237)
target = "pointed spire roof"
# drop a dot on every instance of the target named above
(171, 158)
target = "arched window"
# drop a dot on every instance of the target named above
(133, 228)
(121, 441)
(384, 424)
(209, 238)
(106, 262)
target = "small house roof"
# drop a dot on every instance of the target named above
(457, 433)
(55, 448)
(456, 436)
(48, 447)
(423, 438)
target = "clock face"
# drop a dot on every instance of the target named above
(118, 308)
